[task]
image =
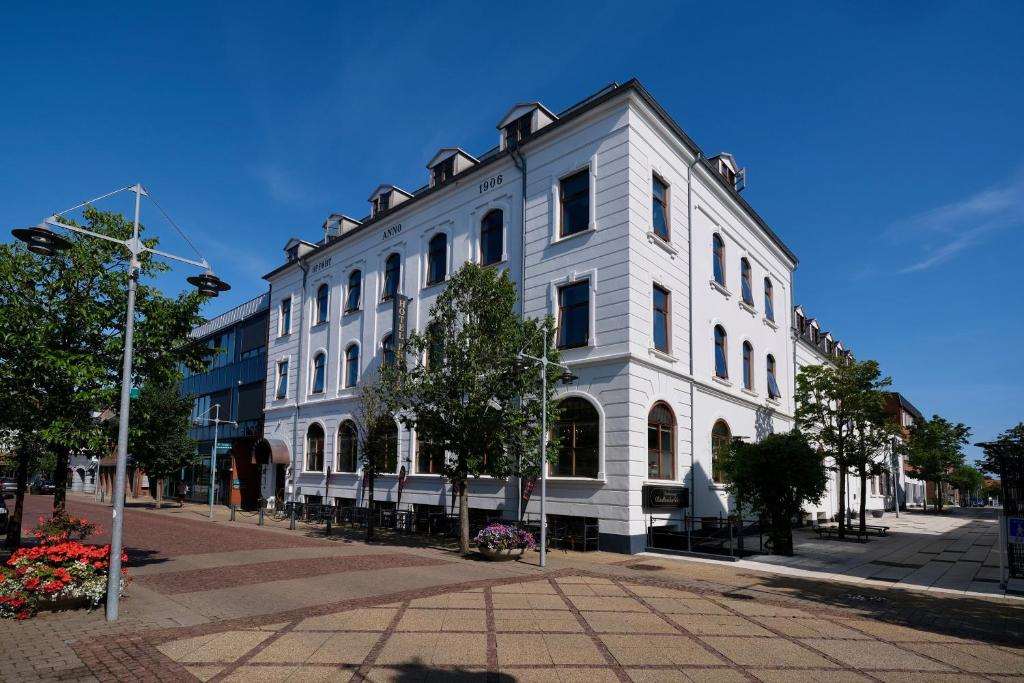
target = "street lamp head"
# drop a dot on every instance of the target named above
(41, 240)
(568, 378)
(208, 284)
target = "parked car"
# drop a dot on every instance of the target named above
(8, 485)
(43, 487)
(4, 516)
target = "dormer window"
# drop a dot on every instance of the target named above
(518, 131)
(443, 171)
(381, 202)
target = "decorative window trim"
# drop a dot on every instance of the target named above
(747, 307)
(445, 229)
(660, 177)
(556, 199)
(343, 366)
(362, 290)
(601, 423)
(715, 285)
(770, 324)
(572, 278)
(281, 332)
(312, 372)
(382, 270)
(277, 378)
(305, 447)
(476, 219)
(669, 248)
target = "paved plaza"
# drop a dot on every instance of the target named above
(228, 601)
(953, 552)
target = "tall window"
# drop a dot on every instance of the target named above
(429, 457)
(348, 447)
(574, 315)
(443, 171)
(721, 355)
(285, 316)
(661, 442)
(355, 291)
(492, 237)
(721, 437)
(321, 304)
(748, 366)
(773, 382)
(577, 430)
(387, 346)
(319, 372)
(574, 195)
(745, 284)
(282, 379)
(769, 300)
(718, 249)
(392, 271)
(437, 258)
(315, 448)
(660, 304)
(384, 440)
(659, 207)
(352, 365)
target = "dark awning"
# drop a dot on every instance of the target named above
(271, 452)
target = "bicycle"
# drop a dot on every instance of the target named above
(280, 510)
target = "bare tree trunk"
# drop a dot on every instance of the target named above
(60, 480)
(159, 493)
(938, 495)
(863, 497)
(14, 523)
(369, 508)
(842, 502)
(464, 517)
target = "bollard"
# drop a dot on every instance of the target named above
(232, 517)
(330, 517)
(263, 509)
(291, 522)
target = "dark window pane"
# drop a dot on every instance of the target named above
(720, 440)
(769, 300)
(352, 366)
(661, 319)
(250, 401)
(718, 247)
(347, 447)
(286, 316)
(282, 379)
(577, 429)
(574, 315)
(392, 270)
(321, 304)
(491, 246)
(745, 285)
(773, 384)
(354, 291)
(437, 254)
(721, 364)
(659, 209)
(388, 347)
(660, 442)
(575, 200)
(319, 373)
(315, 448)
(748, 366)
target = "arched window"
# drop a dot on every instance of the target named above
(577, 430)
(355, 291)
(321, 304)
(352, 365)
(392, 273)
(721, 438)
(745, 282)
(319, 372)
(348, 447)
(437, 259)
(773, 382)
(661, 442)
(387, 347)
(718, 249)
(315, 448)
(748, 366)
(769, 300)
(721, 355)
(429, 457)
(383, 444)
(492, 237)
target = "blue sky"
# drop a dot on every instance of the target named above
(882, 140)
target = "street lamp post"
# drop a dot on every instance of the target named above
(213, 452)
(43, 241)
(567, 378)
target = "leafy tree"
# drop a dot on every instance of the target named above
(374, 423)
(61, 337)
(936, 451)
(874, 437)
(1009, 446)
(462, 386)
(774, 477)
(836, 406)
(968, 480)
(158, 437)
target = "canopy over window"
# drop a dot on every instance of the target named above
(271, 452)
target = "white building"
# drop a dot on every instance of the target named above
(674, 301)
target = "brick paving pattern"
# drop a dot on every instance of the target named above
(569, 626)
(196, 580)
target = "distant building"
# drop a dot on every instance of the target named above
(234, 380)
(908, 490)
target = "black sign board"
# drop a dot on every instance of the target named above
(666, 496)
(400, 319)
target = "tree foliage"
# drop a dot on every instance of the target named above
(935, 451)
(462, 386)
(775, 477)
(158, 437)
(1008, 446)
(839, 408)
(374, 423)
(968, 480)
(61, 336)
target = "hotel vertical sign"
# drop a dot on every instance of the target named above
(400, 324)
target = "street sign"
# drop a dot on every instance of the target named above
(1015, 530)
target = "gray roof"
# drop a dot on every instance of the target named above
(232, 317)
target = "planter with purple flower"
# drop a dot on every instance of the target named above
(498, 541)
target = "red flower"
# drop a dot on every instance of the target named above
(22, 615)
(31, 583)
(16, 603)
(53, 586)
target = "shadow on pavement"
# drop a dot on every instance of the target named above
(418, 672)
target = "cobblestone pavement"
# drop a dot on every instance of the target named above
(230, 601)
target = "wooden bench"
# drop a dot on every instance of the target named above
(830, 531)
(877, 529)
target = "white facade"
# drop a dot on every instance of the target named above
(622, 140)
